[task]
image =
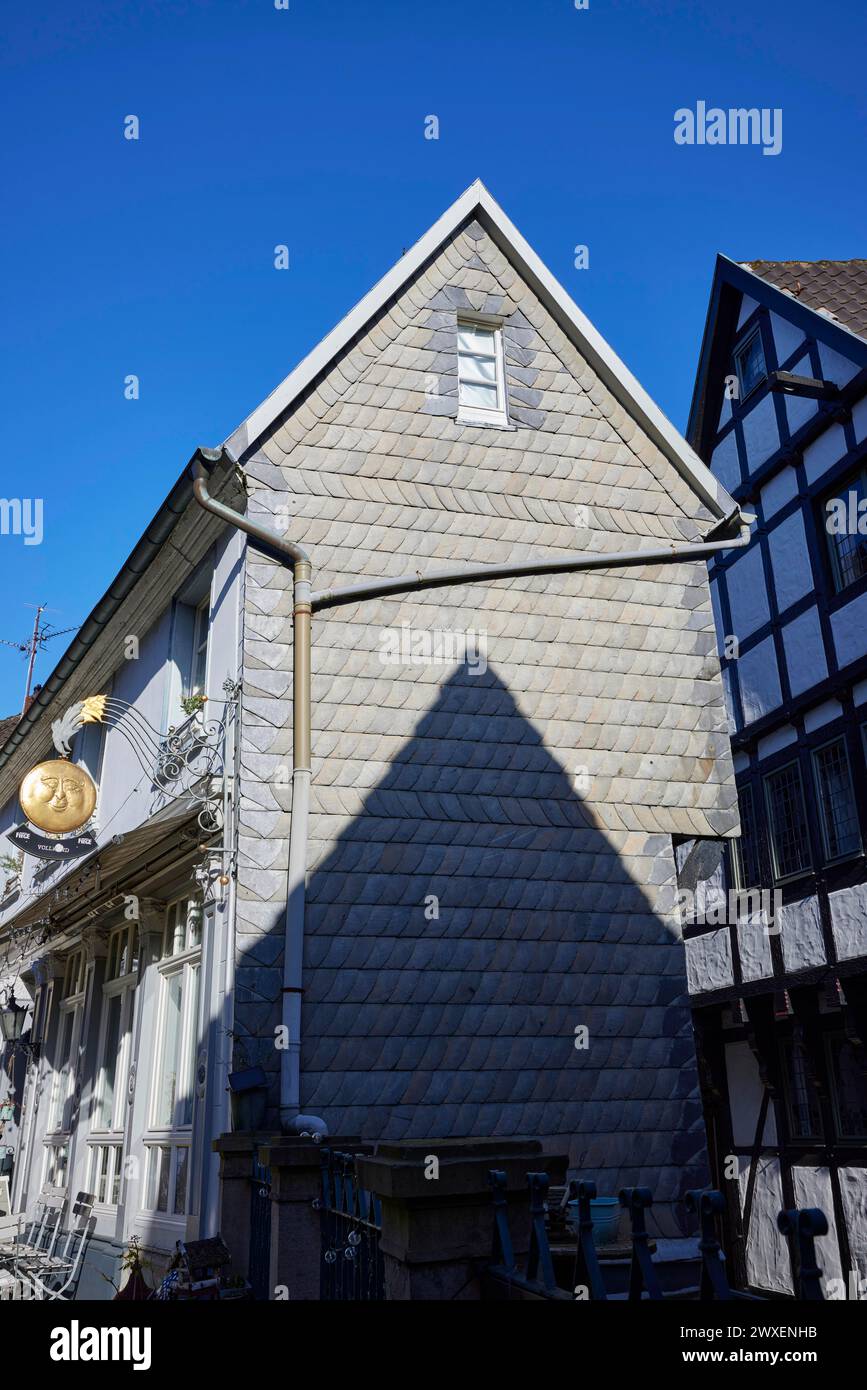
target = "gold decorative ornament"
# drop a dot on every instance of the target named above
(58, 796)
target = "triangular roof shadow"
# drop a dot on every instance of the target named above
(462, 926)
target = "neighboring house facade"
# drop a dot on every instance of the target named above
(501, 770)
(780, 996)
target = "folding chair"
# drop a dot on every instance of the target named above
(57, 1275)
(30, 1253)
(37, 1232)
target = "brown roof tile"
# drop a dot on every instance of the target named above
(837, 287)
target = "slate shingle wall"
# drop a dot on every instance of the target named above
(553, 890)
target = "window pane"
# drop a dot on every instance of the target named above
(167, 1081)
(751, 363)
(476, 338)
(164, 1157)
(61, 1068)
(110, 1060)
(850, 1085)
(194, 924)
(102, 1154)
(804, 1118)
(836, 801)
(481, 396)
(746, 849)
(192, 1046)
(181, 1182)
(848, 547)
(788, 822)
(115, 1179)
(478, 369)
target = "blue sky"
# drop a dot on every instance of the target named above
(305, 126)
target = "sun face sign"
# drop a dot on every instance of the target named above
(58, 796)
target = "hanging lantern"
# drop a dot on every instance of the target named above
(12, 1017)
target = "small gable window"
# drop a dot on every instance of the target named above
(750, 363)
(481, 377)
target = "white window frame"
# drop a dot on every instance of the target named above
(111, 1136)
(177, 1135)
(853, 801)
(773, 829)
(58, 1132)
(481, 415)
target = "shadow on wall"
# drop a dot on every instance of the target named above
(462, 928)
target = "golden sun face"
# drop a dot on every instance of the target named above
(57, 796)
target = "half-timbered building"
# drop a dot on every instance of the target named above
(779, 977)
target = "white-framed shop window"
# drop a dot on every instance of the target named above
(109, 1098)
(481, 374)
(64, 1059)
(166, 1188)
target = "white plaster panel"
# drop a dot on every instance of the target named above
(761, 435)
(709, 961)
(859, 693)
(805, 651)
(754, 948)
(836, 367)
(768, 1263)
(849, 626)
(799, 409)
(787, 337)
(741, 762)
(790, 560)
(823, 452)
(759, 681)
(820, 715)
(745, 1096)
(849, 920)
(853, 1198)
(748, 599)
(780, 738)
(724, 462)
(725, 411)
(780, 490)
(813, 1189)
(748, 305)
(859, 418)
(801, 934)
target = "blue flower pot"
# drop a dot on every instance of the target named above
(605, 1214)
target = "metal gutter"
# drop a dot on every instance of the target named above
(138, 564)
(558, 564)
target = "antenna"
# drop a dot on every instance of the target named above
(36, 642)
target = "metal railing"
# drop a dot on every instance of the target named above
(351, 1265)
(536, 1276)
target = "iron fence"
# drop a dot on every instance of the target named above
(259, 1271)
(351, 1265)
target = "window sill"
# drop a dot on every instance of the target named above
(487, 423)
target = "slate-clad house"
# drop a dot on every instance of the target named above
(500, 770)
(780, 415)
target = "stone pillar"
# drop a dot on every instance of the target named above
(438, 1231)
(236, 1170)
(295, 1224)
